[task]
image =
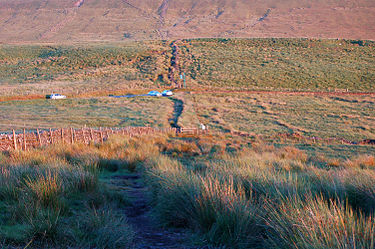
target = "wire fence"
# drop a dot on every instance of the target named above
(32, 138)
(29, 138)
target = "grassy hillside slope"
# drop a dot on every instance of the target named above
(53, 20)
(278, 64)
(90, 67)
(281, 63)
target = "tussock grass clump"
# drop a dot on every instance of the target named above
(42, 224)
(101, 228)
(218, 210)
(265, 198)
(363, 162)
(317, 223)
(360, 189)
(226, 216)
(46, 191)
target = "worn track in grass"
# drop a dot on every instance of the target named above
(149, 233)
(317, 93)
(177, 111)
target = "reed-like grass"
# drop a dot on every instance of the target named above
(53, 197)
(250, 198)
(253, 196)
(317, 223)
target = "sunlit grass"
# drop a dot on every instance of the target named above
(348, 117)
(256, 196)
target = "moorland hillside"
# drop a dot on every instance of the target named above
(103, 20)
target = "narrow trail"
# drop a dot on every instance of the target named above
(268, 12)
(177, 111)
(314, 93)
(162, 11)
(70, 14)
(142, 11)
(149, 233)
(175, 66)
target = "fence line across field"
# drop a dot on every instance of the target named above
(32, 138)
(37, 138)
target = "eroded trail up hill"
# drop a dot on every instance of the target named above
(70, 14)
(174, 68)
(177, 111)
(173, 73)
(162, 11)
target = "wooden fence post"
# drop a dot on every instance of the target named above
(39, 140)
(62, 135)
(24, 139)
(51, 135)
(14, 140)
(101, 135)
(72, 135)
(84, 137)
(92, 135)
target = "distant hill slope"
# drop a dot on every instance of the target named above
(253, 64)
(115, 20)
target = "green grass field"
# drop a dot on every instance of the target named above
(93, 112)
(289, 64)
(348, 117)
(278, 64)
(91, 67)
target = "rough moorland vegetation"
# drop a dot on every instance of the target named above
(110, 20)
(277, 64)
(227, 193)
(80, 112)
(125, 62)
(320, 116)
(292, 64)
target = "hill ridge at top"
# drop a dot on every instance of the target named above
(116, 20)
